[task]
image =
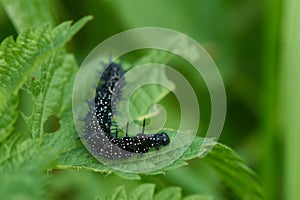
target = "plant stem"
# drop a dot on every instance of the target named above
(290, 97)
(271, 27)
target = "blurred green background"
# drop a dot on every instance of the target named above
(253, 43)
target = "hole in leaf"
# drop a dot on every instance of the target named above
(51, 124)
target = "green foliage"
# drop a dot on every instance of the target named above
(78, 158)
(38, 59)
(146, 191)
(20, 58)
(38, 64)
(239, 177)
(235, 172)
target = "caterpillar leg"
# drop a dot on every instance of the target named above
(127, 129)
(144, 123)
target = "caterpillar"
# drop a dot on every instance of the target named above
(112, 81)
(98, 132)
(141, 143)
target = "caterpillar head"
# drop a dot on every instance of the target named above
(163, 138)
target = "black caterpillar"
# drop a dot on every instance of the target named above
(141, 143)
(99, 133)
(111, 85)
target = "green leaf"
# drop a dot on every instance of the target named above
(79, 158)
(236, 174)
(129, 176)
(31, 50)
(8, 113)
(146, 191)
(55, 91)
(20, 58)
(143, 192)
(224, 160)
(198, 197)
(16, 151)
(169, 193)
(119, 194)
(22, 164)
(38, 61)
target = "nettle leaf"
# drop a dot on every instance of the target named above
(57, 76)
(81, 159)
(20, 58)
(38, 60)
(17, 151)
(38, 57)
(169, 193)
(119, 193)
(146, 191)
(236, 174)
(198, 197)
(8, 113)
(22, 164)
